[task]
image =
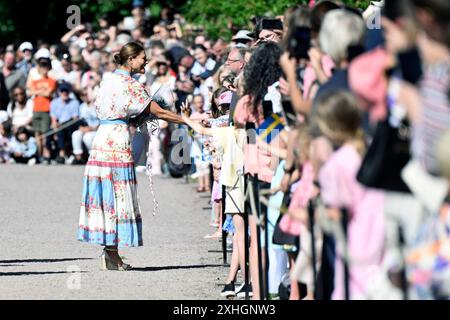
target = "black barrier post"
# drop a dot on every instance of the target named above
(346, 256)
(257, 214)
(313, 242)
(265, 210)
(403, 279)
(211, 177)
(251, 136)
(224, 233)
(246, 239)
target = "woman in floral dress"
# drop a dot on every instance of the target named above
(110, 214)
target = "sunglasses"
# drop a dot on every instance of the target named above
(230, 61)
(19, 94)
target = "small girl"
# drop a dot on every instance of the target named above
(197, 152)
(303, 191)
(23, 147)
(220, 108)
(339, 120)
(228, 146)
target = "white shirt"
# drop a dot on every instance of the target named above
(21, 117)
(198, 69)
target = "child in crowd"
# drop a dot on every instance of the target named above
(302, 191)
(229, 151)
(23, 147)
(339, 120)
(201, 164)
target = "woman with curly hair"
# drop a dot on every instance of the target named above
(261, 72)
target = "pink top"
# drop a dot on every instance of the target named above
(369, 71)
(305, 187)
(310, 75)
(340, 189)
(257, 161)
(300, 199)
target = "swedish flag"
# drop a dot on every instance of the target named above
(271, 127)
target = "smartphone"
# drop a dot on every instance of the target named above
(272, 24)
(300, 43)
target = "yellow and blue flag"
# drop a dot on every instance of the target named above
(271, 127)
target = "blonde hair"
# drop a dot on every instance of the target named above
(217, 75)
(303, 143)
(340, 30)
(337, 116)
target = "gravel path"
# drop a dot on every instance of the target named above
(40, 257)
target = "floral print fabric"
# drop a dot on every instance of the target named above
(110, 214)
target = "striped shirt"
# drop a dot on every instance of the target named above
(435, 114)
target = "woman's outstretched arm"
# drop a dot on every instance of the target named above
(163, 114)
(197, 127)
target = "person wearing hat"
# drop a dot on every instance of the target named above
(242, 39)
(63, 111)
(41, 88)
(26, 54)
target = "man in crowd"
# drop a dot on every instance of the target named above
(63, 111)
(235, 63)
(13, 77)
(26, 54)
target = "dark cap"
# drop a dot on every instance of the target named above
(65, 86)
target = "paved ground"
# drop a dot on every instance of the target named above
(39, 209)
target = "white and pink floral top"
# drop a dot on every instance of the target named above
(120, 97)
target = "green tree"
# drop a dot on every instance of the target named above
(217, 17)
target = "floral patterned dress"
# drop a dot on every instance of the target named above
(110, 213)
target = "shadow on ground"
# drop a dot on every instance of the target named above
(42, 260)
(179, 267)
(37, 273)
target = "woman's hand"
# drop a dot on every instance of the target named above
(288, 65)
(284, 87)
(398, 39)
(409, 98)
(315, 58)
(186, 109)
(187, 120)
(284, 185)
(197, 127)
